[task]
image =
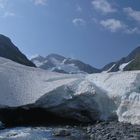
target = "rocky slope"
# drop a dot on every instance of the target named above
(128, 63)
(58, 63)
(10, 51)
(113, 131)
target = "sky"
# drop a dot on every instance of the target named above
(94, 31)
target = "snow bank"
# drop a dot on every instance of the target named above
(81, 100)
(104, 93)
(124, 89)
(20, 85)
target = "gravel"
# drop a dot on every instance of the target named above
(113, 131)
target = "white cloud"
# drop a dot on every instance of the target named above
(5, 10)
(79, 22)
(104, 6)
(112, 24)
(134, 30)
(40, 2)
(132, 13)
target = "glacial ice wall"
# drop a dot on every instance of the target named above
(108, 93)
(124, 89)
(20, 85)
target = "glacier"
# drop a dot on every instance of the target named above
(101, 95)
(124, 89)
(20, 85)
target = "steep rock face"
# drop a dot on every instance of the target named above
(134, 65)
(58, 63)
(128, 63)
(108, 67)
(10, 51)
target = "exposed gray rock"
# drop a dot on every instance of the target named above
(61, 132)
(114, 131)
(133, 60)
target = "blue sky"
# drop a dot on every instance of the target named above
(95, 31)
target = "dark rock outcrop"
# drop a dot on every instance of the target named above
(10, 51)
(132, 62)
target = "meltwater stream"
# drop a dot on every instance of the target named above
(42, 133)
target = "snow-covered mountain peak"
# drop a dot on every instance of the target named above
(38, 57)
(56, 56)
(61, 64)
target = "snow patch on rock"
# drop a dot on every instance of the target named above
(109, 69)
(122, 66)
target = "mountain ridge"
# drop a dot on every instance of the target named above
(59, 63)
(10, 51)
(128, 63)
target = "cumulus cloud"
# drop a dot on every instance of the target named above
(40, 2)
(78, 21)
(132, 13)
(104, 6)
(112, 24)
